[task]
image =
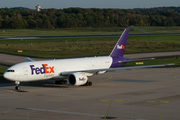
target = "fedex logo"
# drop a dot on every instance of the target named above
(120, 47)
(82, 79)
(45, 69)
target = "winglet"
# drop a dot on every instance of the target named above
(119, 48)
(29, 60)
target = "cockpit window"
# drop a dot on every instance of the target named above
(10, 70)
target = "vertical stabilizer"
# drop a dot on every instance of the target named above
(120, 46)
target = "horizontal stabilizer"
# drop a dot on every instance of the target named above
(29, 59)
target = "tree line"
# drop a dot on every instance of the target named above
(80, 17)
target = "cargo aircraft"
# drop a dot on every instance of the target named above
(75, 71)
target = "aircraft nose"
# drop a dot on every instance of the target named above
(7, 76)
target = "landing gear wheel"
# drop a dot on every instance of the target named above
(89, 83)
(60, 82)
(64, 81)
(56, 82)
(86, 84)
(17, 88)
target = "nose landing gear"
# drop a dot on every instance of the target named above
(17, 85)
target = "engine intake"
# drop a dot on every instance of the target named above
(77, 79)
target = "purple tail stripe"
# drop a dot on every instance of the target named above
(118, 51)
(120, 46)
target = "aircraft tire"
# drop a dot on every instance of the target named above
(89, 83)
(56, 82)
(64, 81)
(17, 88)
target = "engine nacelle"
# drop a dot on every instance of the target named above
(77, 79)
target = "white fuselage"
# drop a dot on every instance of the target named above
(43, 70)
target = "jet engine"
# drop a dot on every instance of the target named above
(77, 79)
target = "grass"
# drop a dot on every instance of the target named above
(160, 29)
(85, 31)
(65, 31)
(68, 47)
(153, 44)
(2, 70)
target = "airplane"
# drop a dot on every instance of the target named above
(75, 71)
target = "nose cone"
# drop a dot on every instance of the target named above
(7, 76)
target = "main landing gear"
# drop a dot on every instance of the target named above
(88, 83)
(17, 85)
(60, 81)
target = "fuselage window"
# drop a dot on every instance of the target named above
(10, 70)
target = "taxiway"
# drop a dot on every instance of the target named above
(138, 94)
(141, 94)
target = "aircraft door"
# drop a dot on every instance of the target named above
(25, 77)
(25, 71)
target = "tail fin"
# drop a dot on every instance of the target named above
(119, 48)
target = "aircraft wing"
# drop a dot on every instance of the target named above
(29, 59)
(112, 69)
(137, 60)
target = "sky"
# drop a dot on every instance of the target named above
(60, 4)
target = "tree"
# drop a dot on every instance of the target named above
(39, 23)
(31, 23)
(152, 21)
(16, 23)
(53, 22)
(25, 23)
(6, 23)
(79, 17)
(170, 22)
(60, 21)
(89, 20)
